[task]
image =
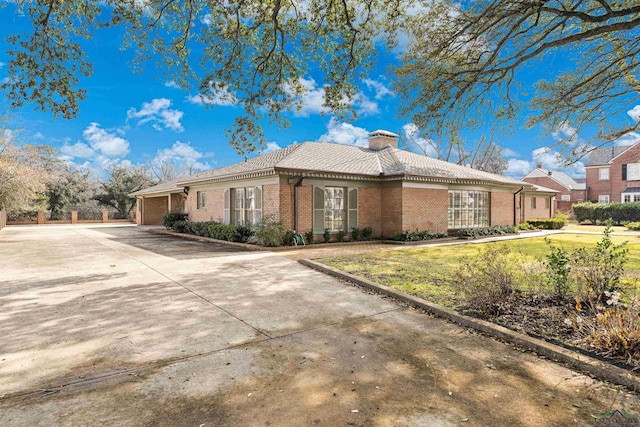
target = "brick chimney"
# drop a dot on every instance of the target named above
(539, 166)
(379, 139)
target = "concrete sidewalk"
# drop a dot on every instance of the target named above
(118, 326)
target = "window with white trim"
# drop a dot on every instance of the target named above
(547, 202)
(533, 203)
(247, 205)
(201, 197)
(468, 209)
(334, 209)
(603, 174)
(565, 198)
(633, 172)
(630, 197)
(603, 198)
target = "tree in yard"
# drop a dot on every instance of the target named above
(70, 186)
(465, 59)
(114, 191)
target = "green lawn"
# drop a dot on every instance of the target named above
(424, 272)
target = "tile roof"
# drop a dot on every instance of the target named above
(560, 177)
(327, 157)
(601, 156)
(165, 187)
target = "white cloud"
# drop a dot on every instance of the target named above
(38, 135)
(158, 113)
(418, 143)
(629, 138)
(566, 133)
(172, 84)
(106, 142)
(183, 154)
(2, 64)
(634, 113)
(380, 89)
(221, 96)
(518, 168)
(345, 133)
(271, 147)
(507, 152)
(77, 150)
(312, 101)
(206, 19)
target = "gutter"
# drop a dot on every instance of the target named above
(295, 200)
(515, 214)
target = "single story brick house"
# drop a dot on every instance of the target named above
(320, 185)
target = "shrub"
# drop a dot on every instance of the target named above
(497, 230)
(525, 226)
(488, 280)
(270, 232)
(635, 226)
(170, 218)
(288, 237)
(340, 236)
(355, 234)
(326, 235)
(547, 223)
(221, 231)
(414, 236)
(559, 266)
(367, 233)
(599, 212)
(180, 226)
(308, 236)
(200, 228)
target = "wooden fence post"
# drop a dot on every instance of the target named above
(105, 216)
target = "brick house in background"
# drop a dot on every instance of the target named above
(613, 174)
(568, 188)
(320, 185)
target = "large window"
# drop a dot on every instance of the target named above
(335, 209)
(630, 197)
(603, 173)
(603, 198)
(247, 205)
(469, 209)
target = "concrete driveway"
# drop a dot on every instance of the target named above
(104, 325)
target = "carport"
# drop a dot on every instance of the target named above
(153, 202)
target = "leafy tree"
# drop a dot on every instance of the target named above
(465, 60)
(25, 170)
(122, 181)
(250, 53)
(71, 186)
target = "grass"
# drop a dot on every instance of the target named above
(424, 272)
(598, 228)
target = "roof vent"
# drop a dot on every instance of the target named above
(380, 139)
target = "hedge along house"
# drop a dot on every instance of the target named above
(320, 185)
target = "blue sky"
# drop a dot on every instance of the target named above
(134, 118)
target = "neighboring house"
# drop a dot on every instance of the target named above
(613, 174)
(569, 189)
(320, 185)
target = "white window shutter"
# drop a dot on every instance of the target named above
(227, 206)
(353, 209)
(318, 210)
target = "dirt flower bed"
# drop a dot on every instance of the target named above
(576, 291)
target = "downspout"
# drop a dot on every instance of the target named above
(515, 214)
(295, 201)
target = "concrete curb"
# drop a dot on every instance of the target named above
(208, 239)
(597, 368)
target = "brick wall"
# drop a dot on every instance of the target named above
(391, 211)
(548, 182)
(271, 200)
(154, 208)
(176, 202)
(632, 155)
(599, 186)
(502, 208)
(369, 209)
(214, 208)
(424, 209)
(540, 211)
(286, 205)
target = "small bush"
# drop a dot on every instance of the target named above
(415, 236)
(308, 236)
(200, 228)
(497, 230)
(288, 237)
(326, 235)
(340, 236)
(487, 281)
(524, 226)
(559, 266)
(170, 218)
(356, 234)
(547, 223)
(180, 226)
(634, 226)
(221, 232)
(270, 232)
(367, 233)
